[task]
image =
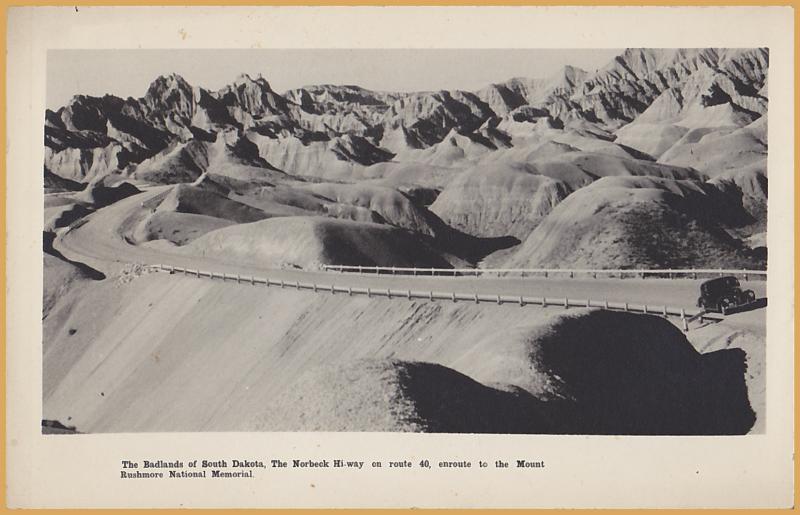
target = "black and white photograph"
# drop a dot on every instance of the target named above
(535, 241)
(405, 257)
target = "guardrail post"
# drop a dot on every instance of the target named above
(431, 295)
(645, 308)
(238, 278)
(388, 293)
(683, 320)
(198, 273)
(369, 293)
(282, 285)
(498, 300)
(252, 280)
(544, 302)
(454, 296)
(594, 275)
(745, 274)
(626, 306)
(333, 289)
(408, 294)
(566, 302)
(349, 291)
(476, 298)
(545, 274)
(664, 310)
(360, 270)
(297, 285)
(605, 304)
(588, 304)
(571, 274)
(393, 271)
(433, 272)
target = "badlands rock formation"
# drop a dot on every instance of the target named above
(658, 159)
(492, 163)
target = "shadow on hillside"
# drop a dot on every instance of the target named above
(47, 243)
(593, 372)
(602, 373)
(470, 248)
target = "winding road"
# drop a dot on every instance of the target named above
(97, 241)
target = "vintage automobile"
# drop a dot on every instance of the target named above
(722, 294)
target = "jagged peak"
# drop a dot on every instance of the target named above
(259, 81)
(89, 99)
(640, 62)
(164, 84)
(319, 88)
(170, 80)
(571, 74)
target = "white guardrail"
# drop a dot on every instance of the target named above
(622, 273)
(430, 295)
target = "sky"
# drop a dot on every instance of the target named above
(127, 73)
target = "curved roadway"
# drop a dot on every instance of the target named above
(98, 242)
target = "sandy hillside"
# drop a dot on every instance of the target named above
(715, 150)
(394, 395)
(107, 371)
(190, 199)
(61, 276)
(389, 204)
(510, 194)
(308, 242)
(175, 227)
(499, 201)
(619, 221)
(185, 212)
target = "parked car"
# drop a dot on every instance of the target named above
(722, 294)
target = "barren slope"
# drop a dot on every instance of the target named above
(308, 242)
(621, 222)
(204, 361)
